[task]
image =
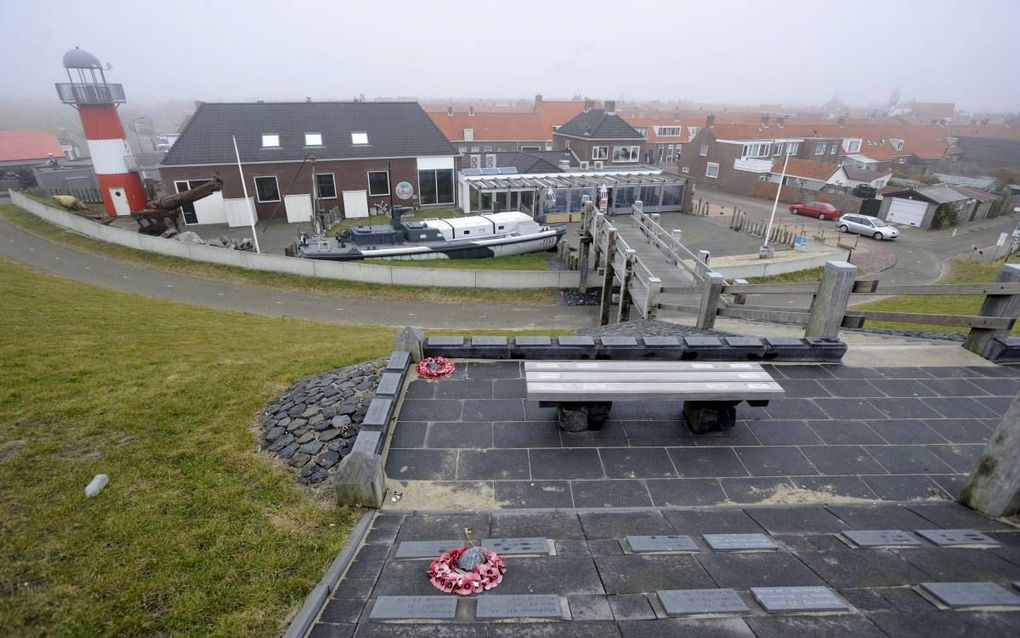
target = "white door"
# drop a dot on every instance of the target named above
(120, 202)
(299, 208)
(906, 211)
(355, 204)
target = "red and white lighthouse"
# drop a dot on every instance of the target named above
(96, 101)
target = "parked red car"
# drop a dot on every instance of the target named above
(821, 210)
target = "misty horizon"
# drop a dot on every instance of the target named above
(732, 53)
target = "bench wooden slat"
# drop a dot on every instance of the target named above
(646, 366)
(700, 390)
(641, 376)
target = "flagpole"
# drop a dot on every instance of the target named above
(244, 187)
(765, 248)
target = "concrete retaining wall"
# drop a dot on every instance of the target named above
(349, 271)
(778, 265)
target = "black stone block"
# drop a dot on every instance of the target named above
(389, 383)
(446, 347)
(574, 347)
(486, 347)
(745, 348)
(398, 361)
(378, 416)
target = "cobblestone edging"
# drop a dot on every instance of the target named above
(313, 424)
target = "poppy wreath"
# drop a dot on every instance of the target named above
(450, 579)
(435, 368)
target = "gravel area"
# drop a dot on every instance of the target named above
(650, 328)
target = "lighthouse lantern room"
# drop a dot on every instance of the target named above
(96, 101)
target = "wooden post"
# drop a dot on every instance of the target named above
(995, 306)
(585, 247)
(710, 300)
(829, 304)
(993, 487)
(626, 299)
(607, 278)
(739, 298)
(702, 265)
(651, 307)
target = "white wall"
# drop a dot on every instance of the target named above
(430, 163)
(237, 211)
(350, 271)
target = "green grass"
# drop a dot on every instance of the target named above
(961, 270)
(197, 533)
(33, 224)
(811, 274)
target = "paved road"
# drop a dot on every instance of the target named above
(51, 257)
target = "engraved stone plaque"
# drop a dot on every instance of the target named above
(984, 594)
(740, 542)
(881, 538)
(662, 543)
(511, 546)
(414, 608)
(682, 602)
(426, 549)
(776, 599)
(389, 384)
(518, 606)
(949, 537)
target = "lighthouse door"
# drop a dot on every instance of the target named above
(120, 202)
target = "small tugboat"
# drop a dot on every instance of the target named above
(495, 235)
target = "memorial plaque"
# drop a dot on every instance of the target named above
(683, 602)
(775, 599)
(740, 542)
(580, 340)
(512, 546)
(618, 341)
(399, 360)
(378, 413)
(414, 608)
(982, 594)
(702, 342)
(949, 537)
(661, 342)
(426, 549)
(881, 538)
(640, 544)
(446, 341)
(519, 606)
(488, 341)
(532, 341)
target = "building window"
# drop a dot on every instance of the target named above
(469, 135)
(792, 148)
(665, 131)
(313, 139)
(896, 144)
(642, 130)
(626, 154)
(548, 146)
(704, 150)
(685, 170)
(270, 140)
(832, 151)
(567, 144)
(692, 131)
(853, 146)
(359, 138)
(378, 183)
(435, 186)
(525, 149)
(267, 190)
(487, 149)
(712, 170)
(475, 149)
(462, 149)
(326, 185)
(820, 149)
(600, 152)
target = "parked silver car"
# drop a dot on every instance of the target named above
(866, 225)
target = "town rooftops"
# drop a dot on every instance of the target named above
(597, 124)
(859, 175)
(937, 194)
(28, 146)
(329, 130)
(491, 126)
(807, 169)
(536, 161)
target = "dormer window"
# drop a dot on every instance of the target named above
(270, 140)
(313, 139)
(469, 135)
(896, 144)
(359, 139)
(692, 131)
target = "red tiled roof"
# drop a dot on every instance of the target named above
(808, 169)
(28, 146)
(491, 126)
(651, 122)
(552, 113)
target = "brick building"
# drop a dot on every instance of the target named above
(601, 139)
(366, 153)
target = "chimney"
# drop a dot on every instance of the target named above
(471, 111)
(610, 107)
(710, 120)
(449, 110)
(765, 120)
(587, 104)
(538, 100)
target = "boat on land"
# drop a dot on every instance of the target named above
(477, 236)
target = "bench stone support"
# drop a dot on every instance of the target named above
(706, 416)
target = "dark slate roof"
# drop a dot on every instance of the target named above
(864, 175)
(536, 161)
(395, 129)
(598, 125)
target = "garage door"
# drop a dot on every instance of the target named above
(299, 208)
(355, 204)
(906, 211)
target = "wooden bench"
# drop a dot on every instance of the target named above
(583, 392)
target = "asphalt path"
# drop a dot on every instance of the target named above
(51, 257)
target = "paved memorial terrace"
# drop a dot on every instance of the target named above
(827, 513)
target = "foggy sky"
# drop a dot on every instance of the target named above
(746, 52)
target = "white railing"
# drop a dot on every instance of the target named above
(753, 165)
